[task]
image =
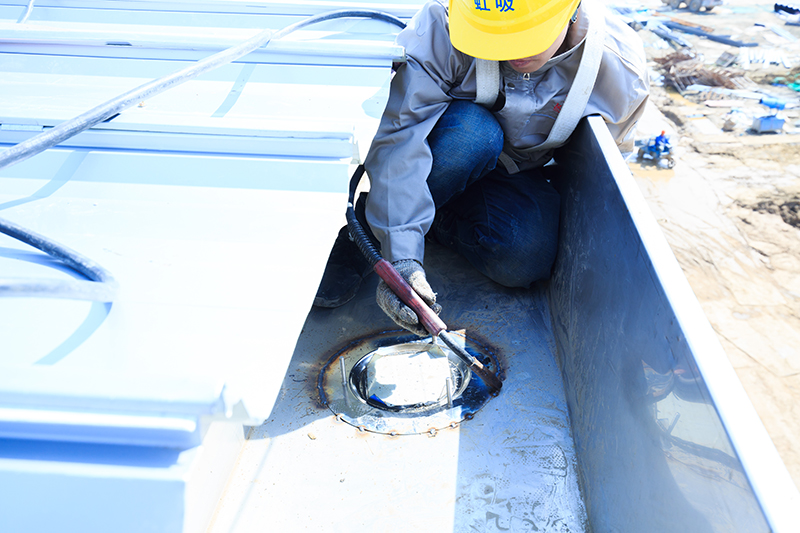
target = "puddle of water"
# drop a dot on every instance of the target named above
(651, 172)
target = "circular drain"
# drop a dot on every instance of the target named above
(398, 384)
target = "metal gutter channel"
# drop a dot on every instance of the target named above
(662, 424)
(513, 465)
(612, 379)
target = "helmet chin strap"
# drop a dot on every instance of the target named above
(574, 17)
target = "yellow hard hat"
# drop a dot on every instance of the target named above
(501, 30)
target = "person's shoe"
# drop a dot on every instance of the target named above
(344, 273)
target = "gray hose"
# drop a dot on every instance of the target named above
(24, 18)
(102, 288)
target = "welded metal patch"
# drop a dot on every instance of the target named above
(397, 384)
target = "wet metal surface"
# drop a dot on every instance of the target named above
(644, 409)
(398, 384)
(648, 389)
(657, 431)
(512, 467)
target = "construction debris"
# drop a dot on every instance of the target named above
(790, 14)
(727, 59)
(684, 68)
(668, 35)
(683, 22)
(771, 123)
(694, 5)
(724, 39)
(791, 81)
(722, 64)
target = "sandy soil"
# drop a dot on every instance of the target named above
(730, 207)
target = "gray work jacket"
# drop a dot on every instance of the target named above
(400, 208)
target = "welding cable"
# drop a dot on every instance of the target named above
(70, 128)
(357, 232)
(101, 288)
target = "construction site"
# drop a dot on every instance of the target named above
(724, 82)
(175, 179)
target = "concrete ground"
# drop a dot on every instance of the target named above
(729, 207)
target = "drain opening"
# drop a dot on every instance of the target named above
(397, 384)
(409, 377)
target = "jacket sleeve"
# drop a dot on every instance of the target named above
(400, 208)
(622, 84)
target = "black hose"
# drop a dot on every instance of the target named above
(357, 232)
(102, 288)
(69, 128)
(342, 13)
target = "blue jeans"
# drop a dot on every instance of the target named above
(505, 225)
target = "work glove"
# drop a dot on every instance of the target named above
(403, 316)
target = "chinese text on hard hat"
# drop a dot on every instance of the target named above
(502, 5)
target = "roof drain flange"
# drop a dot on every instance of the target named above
(396, 384)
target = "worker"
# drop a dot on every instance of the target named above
(473, 116)
(661, 144)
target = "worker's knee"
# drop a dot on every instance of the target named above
(475, 122)
(515, 262)
(465, 145)
(469, 130)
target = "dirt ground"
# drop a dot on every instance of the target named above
(730, 207)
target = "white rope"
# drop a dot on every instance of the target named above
(583, 84)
